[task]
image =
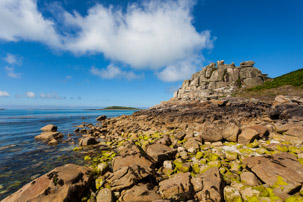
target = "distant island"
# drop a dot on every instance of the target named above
(1, 108)
(118, 108)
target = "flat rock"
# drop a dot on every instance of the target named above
(282, 169)
(47, 136)
(49, 128)
(178, 187)
(140, 192)
(249, 178)
(127, 160)
(65, 183)
(126, 176)
(247, 135)
(160, 152)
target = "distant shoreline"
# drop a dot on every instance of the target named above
(112, 109)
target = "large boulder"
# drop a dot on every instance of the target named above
(281, 170)
(247, 135)
(140, 192)
(49, 128)
(48, 136)
(160, 152)
(178, 187)
(126, 176)
(65, 183)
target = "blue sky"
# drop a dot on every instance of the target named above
(135, 53)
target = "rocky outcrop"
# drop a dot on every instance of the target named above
(65, 183)
(218, 81)
(49, 128)
(49, 134)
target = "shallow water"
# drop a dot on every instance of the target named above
(22, 158)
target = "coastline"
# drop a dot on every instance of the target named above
(178, 144)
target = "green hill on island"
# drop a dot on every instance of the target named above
(120, 107)
(290, 84)
(294, 78)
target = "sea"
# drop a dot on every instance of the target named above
(22, 158)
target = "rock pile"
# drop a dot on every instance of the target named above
(218, 81)
(49, 134)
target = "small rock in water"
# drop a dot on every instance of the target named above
(49, 128)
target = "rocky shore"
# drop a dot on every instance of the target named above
(202, 145)
(218, 150)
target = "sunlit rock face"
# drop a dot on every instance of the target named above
(219, 80)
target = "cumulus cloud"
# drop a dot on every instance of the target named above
(21, 20)
(10, 71)
(50, 96)
(4, 93)
(111, 72)
(156, 35)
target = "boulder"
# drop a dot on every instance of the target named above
(105, 195)
(48, 136)
(53, 142)
(211, 133)
(164, 140)
(247, 135)
(231, 194)
(140, 192)
(87, 141)
(49, 128)
(249, 179)
(275, 170)
(160, 152)
(247, 64)
(212, 188)
(64, 183)
(177, 187)
(230, 132)
(126, 176)
(101, 118)
(127, 160)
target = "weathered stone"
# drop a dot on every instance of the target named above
(53, 142)
(247, 64)
(165, 140)
(87, 141)
(247, 135)
(101, 118)
(160, 152)
(212, 186)
(105, 195)
(140, 192)
(127, 160)
(261, 130)
(178, 187)
(65, 183)
(232, 194)
(230, 132)
(49, 128)
(126, 176)
(249, 178)
(47, 136)
(275, 170)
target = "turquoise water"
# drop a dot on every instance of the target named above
(22, 158)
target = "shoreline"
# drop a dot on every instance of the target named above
(179, 145)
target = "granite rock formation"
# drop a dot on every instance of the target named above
(220, 80)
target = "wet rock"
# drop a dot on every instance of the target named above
(140, 192)
(212, 188)
(87, 141)
(105, 195)
(160, 152)
(49, 128)
(178, 187)
(247, 135)
(249, 178)
(47, 136)
(53, 142)
(65, 183)
(101, 118)
(126, 176)
(275, 170)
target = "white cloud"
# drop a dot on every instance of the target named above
(50, 96)
(11, 59)
(30, 94)
(111, 72)
(4, 93)
(10, 71)
(157, 35)
(21, 20)
(153, 36)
